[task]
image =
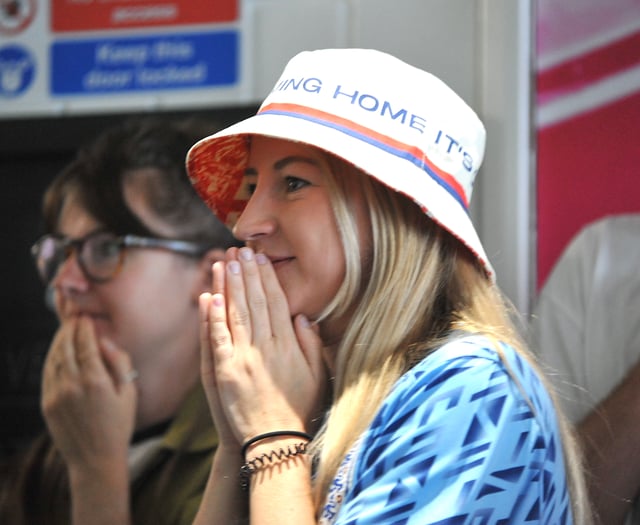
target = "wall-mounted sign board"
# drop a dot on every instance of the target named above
(62, 57)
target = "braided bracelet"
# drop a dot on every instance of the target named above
(266, 460)
(275, 433)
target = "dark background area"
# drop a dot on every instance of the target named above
(32, 152)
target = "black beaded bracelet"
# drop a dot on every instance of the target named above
(275, 433)
(265, 460)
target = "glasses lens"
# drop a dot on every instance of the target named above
(101, 255)
(49, 254)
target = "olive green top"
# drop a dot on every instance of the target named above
(169, 490)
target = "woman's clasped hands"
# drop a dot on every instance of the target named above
(262, 370)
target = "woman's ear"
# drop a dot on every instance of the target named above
(204, 280)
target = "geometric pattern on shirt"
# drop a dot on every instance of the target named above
(457, 443)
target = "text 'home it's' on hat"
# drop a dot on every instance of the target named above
(399, 124)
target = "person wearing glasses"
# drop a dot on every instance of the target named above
(128, 250)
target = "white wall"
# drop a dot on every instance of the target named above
(505, 215)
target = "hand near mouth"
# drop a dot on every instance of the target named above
(268, 370)
(89, 402)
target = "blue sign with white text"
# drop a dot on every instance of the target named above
(149, 63)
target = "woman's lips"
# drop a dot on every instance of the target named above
(80, 313)
(280, 261)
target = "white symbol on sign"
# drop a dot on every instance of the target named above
(12, 74)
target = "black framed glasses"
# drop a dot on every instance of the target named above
(101, 254)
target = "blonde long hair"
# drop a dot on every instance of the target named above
(418, 284)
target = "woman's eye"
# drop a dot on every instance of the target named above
(294, 184)
(105, 249)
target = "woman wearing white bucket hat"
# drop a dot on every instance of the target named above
(350, 188)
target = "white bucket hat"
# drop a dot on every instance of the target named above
(399, 124)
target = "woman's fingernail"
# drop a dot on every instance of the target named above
(304, 322)
(234, 267)
(261, 258)
(246, 254)
(108, 344)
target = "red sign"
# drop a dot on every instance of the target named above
(80, 15)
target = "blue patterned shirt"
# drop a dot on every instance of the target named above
(464, 438)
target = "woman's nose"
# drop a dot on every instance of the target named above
(69, 276)
(257, 219)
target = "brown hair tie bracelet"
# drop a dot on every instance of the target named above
(275, 433)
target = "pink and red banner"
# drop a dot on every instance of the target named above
(588, 118)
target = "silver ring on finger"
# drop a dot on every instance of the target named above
(130, 376)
